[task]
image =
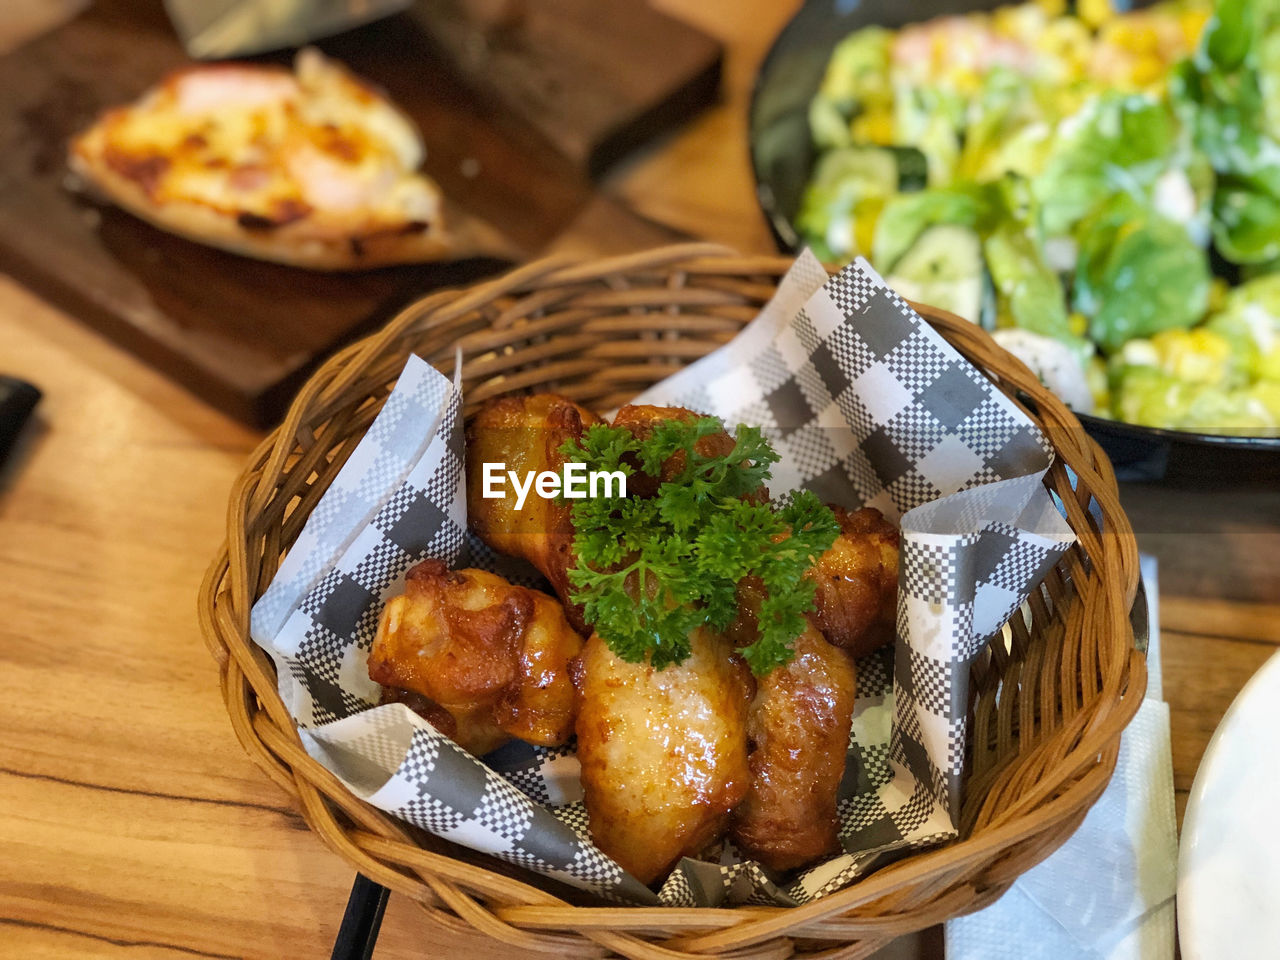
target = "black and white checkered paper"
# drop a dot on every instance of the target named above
(868, 406)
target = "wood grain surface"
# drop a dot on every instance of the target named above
(131, 824)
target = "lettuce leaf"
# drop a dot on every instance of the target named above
(1029, 294)
(1138, 273)
(1229, 96)
(1116, 143)
(979, 206)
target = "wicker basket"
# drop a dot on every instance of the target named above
(1047, 716)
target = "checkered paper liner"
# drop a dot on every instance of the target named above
(867, 406)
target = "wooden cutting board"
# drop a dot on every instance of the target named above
(240, 333)
(595, 77)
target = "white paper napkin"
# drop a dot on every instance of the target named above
(1107, 893)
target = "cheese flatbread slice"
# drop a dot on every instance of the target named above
(313, 167)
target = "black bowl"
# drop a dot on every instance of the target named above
(782, 157)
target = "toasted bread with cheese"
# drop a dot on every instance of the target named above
(313, 167)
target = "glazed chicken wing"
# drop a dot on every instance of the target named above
(642, 419)
(481, 659)
(798, 732)
(857, 581)
(526, 433)
(663, 752)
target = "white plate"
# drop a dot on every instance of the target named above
(1229, 864)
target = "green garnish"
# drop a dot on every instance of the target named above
(653, 569)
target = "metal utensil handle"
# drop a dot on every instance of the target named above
(17, 399)
(361, 921)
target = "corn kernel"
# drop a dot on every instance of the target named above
(1067, 40)
(864, 224)
(874, 126)
(1147, 70)
(967, 81)
(1133, 33)
(1196, 356)
(1022, 22)
(1095, 12)
(1192, 23)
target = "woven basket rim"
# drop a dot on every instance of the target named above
(497, 903)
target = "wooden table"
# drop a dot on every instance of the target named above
(131, 824)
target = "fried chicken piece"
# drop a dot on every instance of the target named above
(663, 752)
(798, 734)
(857, 581)
(856, 595)
(642, 419)
(526, 433)
(481, 659)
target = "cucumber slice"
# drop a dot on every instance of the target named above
(828, 123)
(848, 184)
(874, 169)
(944, 269)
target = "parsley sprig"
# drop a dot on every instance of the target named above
(651, 570)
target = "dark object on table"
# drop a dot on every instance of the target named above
(242, 333)
(17, 399)
(542, 59)
(216, 29)
(782, 157)
(361, 921)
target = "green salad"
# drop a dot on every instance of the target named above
(1102, 190)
